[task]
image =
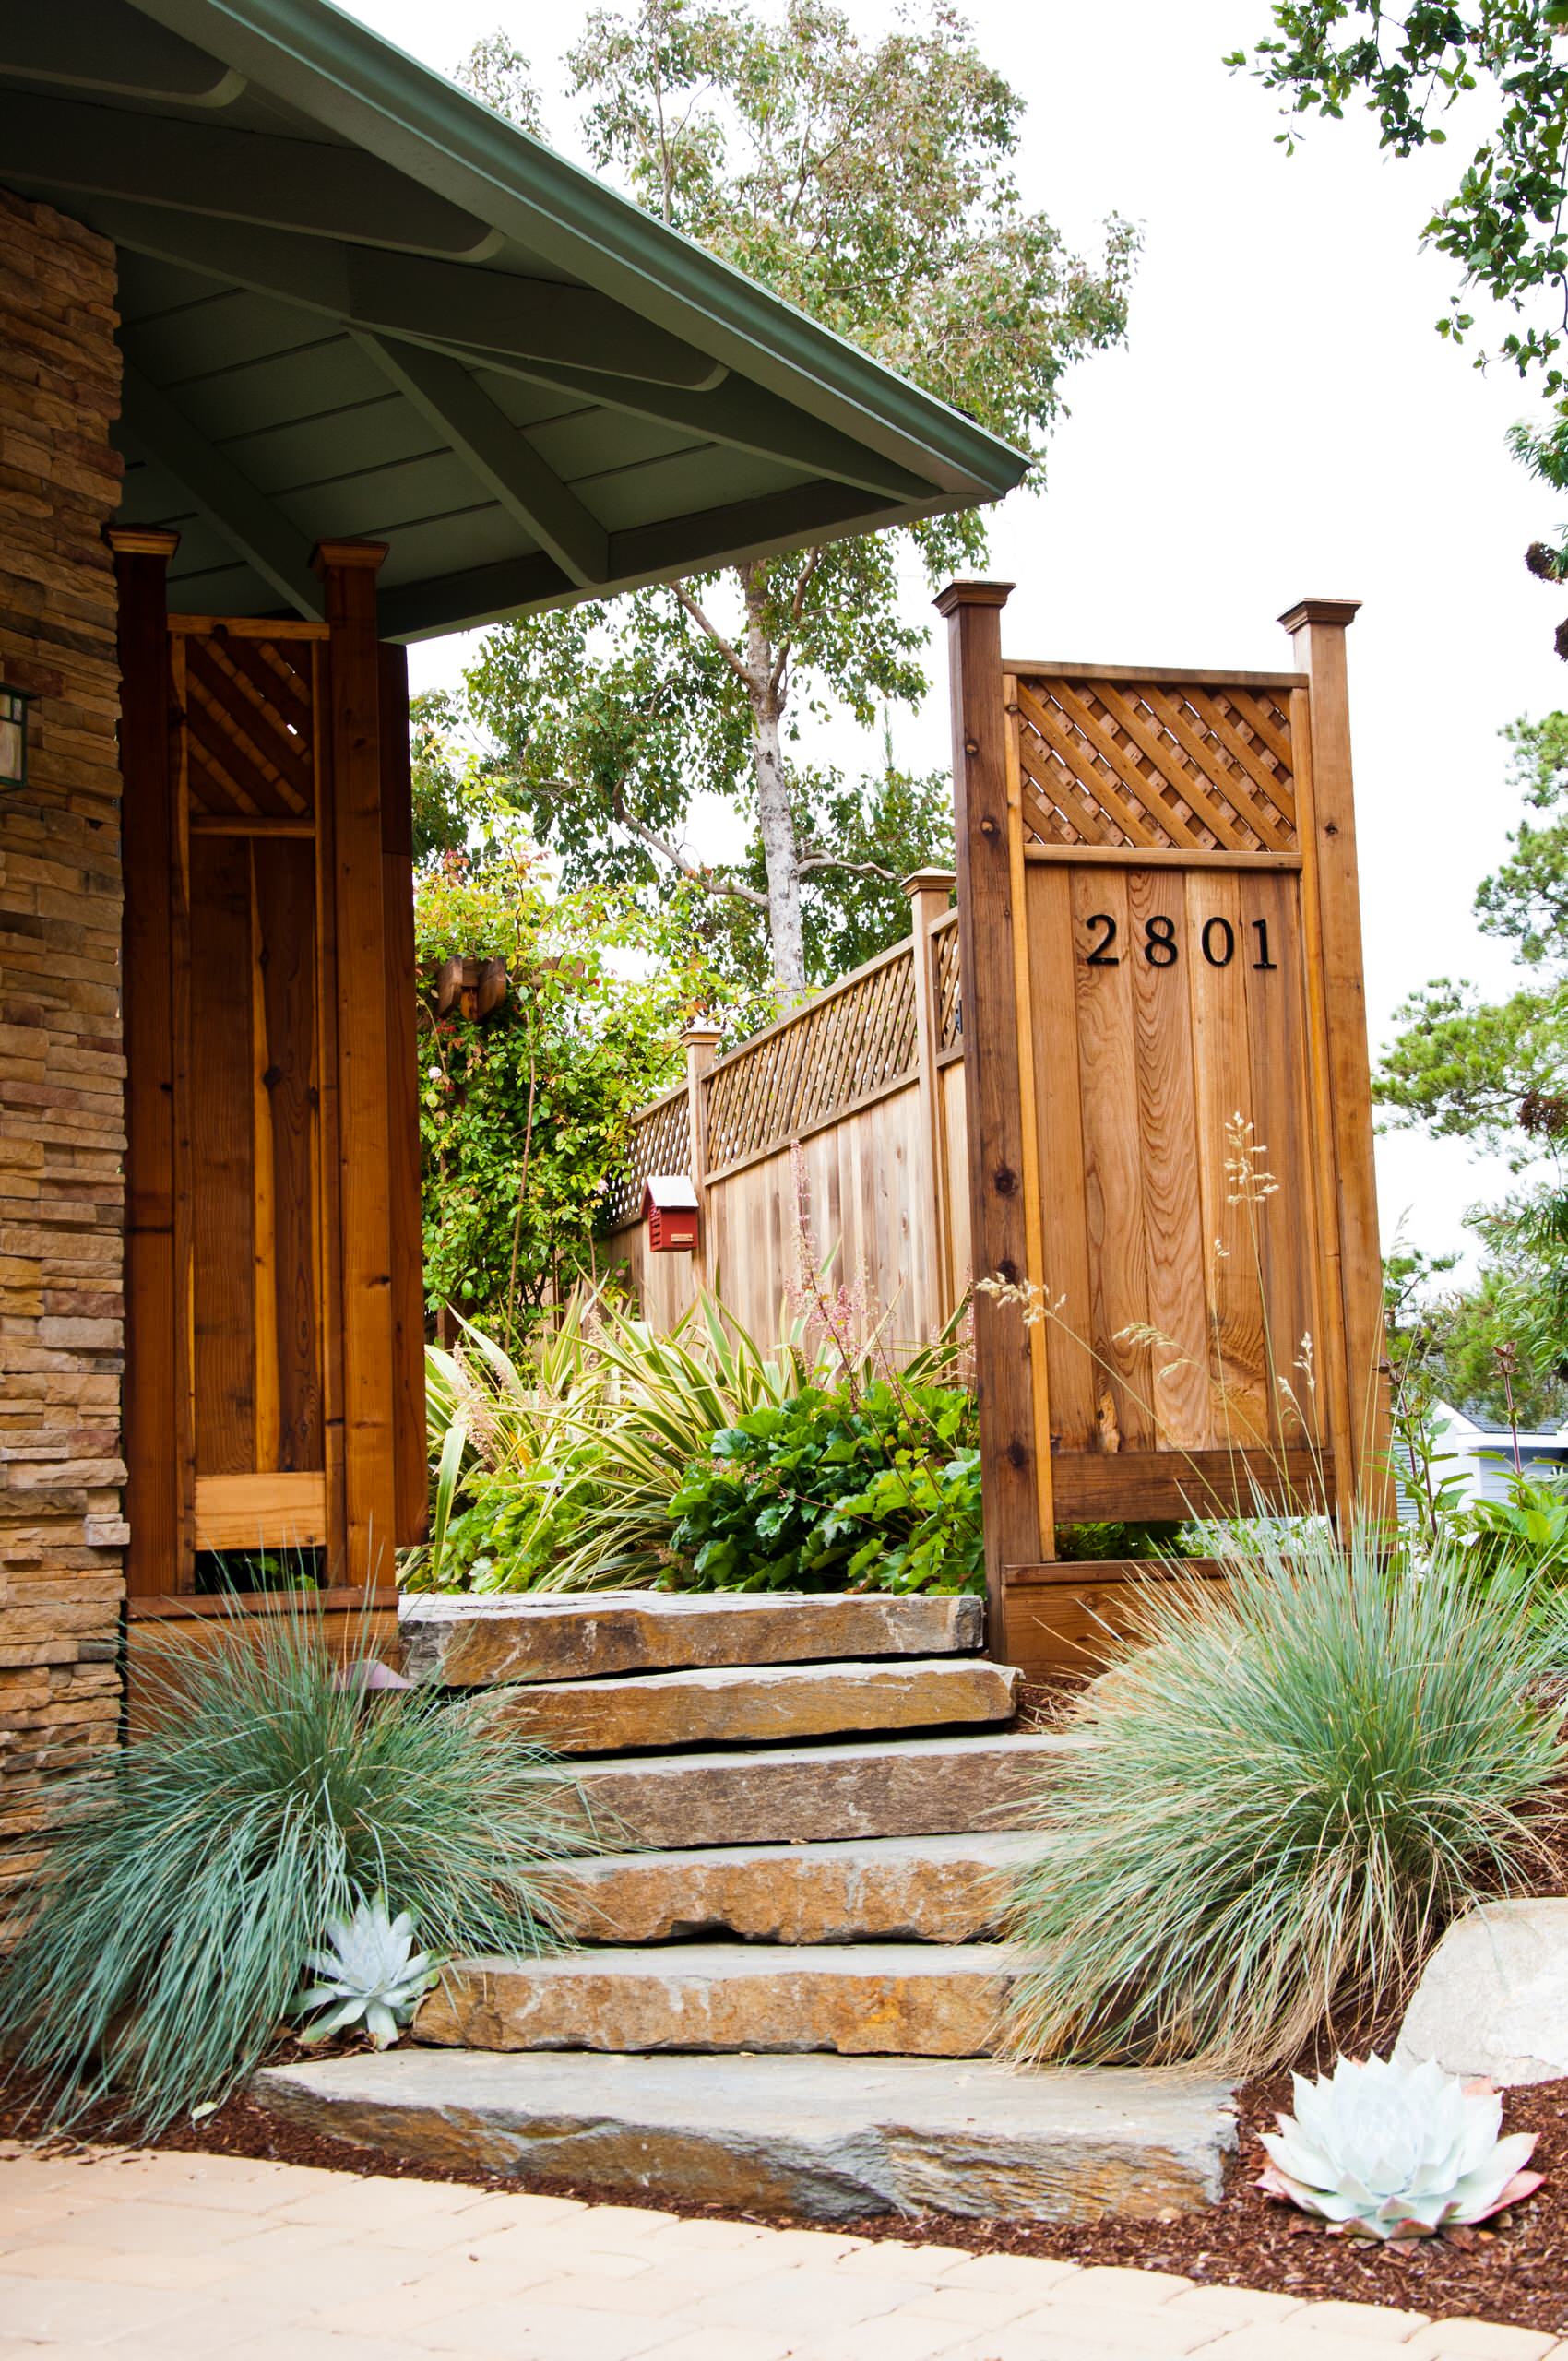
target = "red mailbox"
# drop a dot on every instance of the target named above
(669, 1206)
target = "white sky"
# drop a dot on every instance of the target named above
(1283, 421)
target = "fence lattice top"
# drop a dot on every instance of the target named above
(661, 1142)
(1155, 763)
(855, 1040)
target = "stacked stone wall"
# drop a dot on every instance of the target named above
(62, 1137)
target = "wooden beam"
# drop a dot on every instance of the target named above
(206, 168)
(106, 46)
(498, 453)
(402, 1101)
(246, 519)
(155, 1399)
(999, 1246)
(404, 295)
(1333, 908)
(741, 414)
(358, 917)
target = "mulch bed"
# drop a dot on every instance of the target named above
(1516, 2270)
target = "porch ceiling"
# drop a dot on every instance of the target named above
(357, 304)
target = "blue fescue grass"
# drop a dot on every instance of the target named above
(1284, 1795)
(188, 1881)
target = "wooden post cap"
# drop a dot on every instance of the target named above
(141, 540)
(326, 555)
(696, 1035)
(930, 880)
(1342, 611)
(973, 594)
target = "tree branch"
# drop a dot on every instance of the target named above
(812, 860)
(797, 607)
(736, 664)
(728, 886)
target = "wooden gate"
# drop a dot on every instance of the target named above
(1169, 1128)
(275, 1332)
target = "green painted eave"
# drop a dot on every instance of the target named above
(356, 302)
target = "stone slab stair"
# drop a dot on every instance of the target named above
(790, 1979)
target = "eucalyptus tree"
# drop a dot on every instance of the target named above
(873, 183)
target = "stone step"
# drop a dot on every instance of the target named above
(766, 1704)
(828, 2138)
(916, 1787)
(894, 1889)
(888, 1999)
(467, 1643)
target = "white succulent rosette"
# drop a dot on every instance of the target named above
(1390, 2151)
(369, 1972)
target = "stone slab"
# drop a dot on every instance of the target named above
(862, 2000)
(826, 2137)
(1494, 1999)
(467, 1643)
(916, 1787)
(921, 1889)
(758, 1705)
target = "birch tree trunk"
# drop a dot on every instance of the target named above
(775, 821)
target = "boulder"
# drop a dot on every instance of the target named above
(468, 1642)
(766, 1704)
(1494, 1999)
(829, 2138)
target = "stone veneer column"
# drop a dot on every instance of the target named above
(62, 1136)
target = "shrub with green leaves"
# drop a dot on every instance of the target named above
(1283, 1794)
(188, 1886)
(837, 1485)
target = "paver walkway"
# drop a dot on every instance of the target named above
(122, 2256)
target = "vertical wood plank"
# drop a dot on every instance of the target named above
(154, 1398)
(928, 891)
(1010, 1476)
(1232, 1224)
(1317, 627)
(357, 919)
(1288, 1227)
(265, 1287)
(328, 1131)
(411, 1509)
(223, 1192)
(1114, 1197)
(701, 1045)
(1028, 1114)
(1074, 1386)
(286, 933)
(1172, 1207)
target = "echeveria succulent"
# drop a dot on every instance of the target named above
(1396, 2151)
(370, 1971)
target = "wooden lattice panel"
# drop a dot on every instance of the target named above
(661, 1142)
(802, 1072)
(249, 725)
(1154, 765)
(944, 986)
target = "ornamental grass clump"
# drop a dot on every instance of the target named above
(1282, 1795)
(188, 1887)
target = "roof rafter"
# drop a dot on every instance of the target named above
(499, 454)
(244, 516)
(484, 311)
(204, 168)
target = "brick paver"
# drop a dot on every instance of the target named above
(115, 2257)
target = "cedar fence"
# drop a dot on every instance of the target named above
(836, 1136)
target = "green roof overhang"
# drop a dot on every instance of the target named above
(357, 304)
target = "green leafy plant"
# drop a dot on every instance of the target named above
(1525, 1535)
(188, 1883)
(371, 1975)
(782, 1499)
(1285, 1792)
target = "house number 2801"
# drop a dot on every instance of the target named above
(1217, 939)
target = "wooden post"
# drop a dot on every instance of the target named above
(1333, 926)
(357, 910)
(701, 1045)
(402, 1098)
(1008, 1473)
(930, 892)
(156, 1406)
